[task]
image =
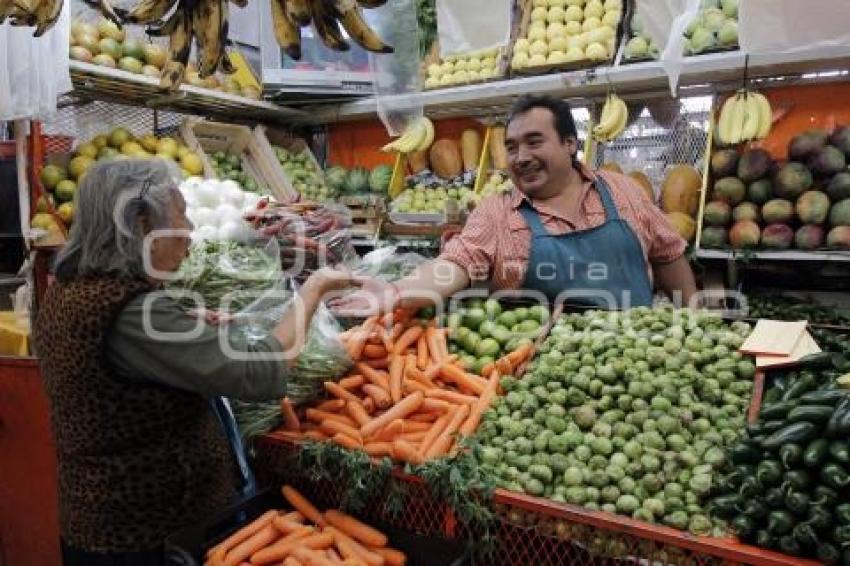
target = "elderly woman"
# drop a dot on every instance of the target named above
(140, 451)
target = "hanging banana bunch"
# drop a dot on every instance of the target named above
(612, 120)
(746, 116)
(42, 14)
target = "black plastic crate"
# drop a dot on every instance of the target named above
(188, 546)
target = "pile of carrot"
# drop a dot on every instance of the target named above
(305, 537)
(406, 398)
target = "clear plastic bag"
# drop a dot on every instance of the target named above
(788, 26)
(398, 73)
(473, 25)
(323, 356)
(387, 265)
(666, 22)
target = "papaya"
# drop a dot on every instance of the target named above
(645, 184)
(446, 159)
(683, 224)
(680, 190)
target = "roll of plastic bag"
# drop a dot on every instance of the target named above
(396, 79)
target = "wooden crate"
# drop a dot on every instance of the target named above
(268, 137)
(205, 138)
(367, 214)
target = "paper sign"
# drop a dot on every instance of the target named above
(805, 346)
(774, 338)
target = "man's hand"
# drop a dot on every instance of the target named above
(374, 297)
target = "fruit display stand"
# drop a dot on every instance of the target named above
(269, 139)
(435, 69)
(367, 214)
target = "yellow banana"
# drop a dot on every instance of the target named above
(750, 128)
(737, 120)
(413, 138)
(352, 21)
(608, 118)
(724, 123)
(209, 26)
(146, 11)
(22, 13)
(105, 8)
(46, 14)
(429, 134)
(326, 25)
(287, 34)
(622, 119)
(765, 115)
(299, 11)
(179, 48)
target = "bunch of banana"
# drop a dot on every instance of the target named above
(744, 117)
(417, 136)
(42, 14)
(330, 18)
(613, 119)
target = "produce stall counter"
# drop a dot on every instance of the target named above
(526, 529)
(29, 516)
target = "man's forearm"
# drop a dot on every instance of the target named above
(675, 278)
(435, 280)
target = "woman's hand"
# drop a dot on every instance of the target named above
(374, 297)
(327, 280)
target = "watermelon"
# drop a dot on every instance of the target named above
(379, 179)
(335, 178)
(357, 181)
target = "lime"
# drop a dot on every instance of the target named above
(507, 319)
(501, 334)
(476, 303)
(468, 361)
(454, 320)
(470, 342)
(528, 325)
(481, 362)
(492, 308)
(486, 328)
(488, 347)
(539, 313)
(521, 313)
(474, 317)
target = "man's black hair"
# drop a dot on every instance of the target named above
(561, 113)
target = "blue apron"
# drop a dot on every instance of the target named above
(607, 260)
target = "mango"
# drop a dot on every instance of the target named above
(744, 234)
(812, 207)
(777, 211)
(840, 213)
(754, 164)
(792, 180)
(777, 236)
(839, 238)
(809, 237)
(717, 213)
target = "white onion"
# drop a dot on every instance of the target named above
(207, 195)
(227, 213)
(204, 233)
(228, 231)
(206, 217)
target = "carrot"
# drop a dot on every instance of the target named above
(310, 557)
(435, 405)
(318, 416)
(292, 561)
(374, 376)
(450, 396)
(444, 440)
(432, 371)
(357, 412)
(482, 404)
(332, 428)
(504, 366)
(413, 426)
(520, 354)
(413, 436)
(434, 349)
(286, 526)
(369, 405)
(405, 451)
(454, 374)
(290, 419)
(351, 549)
(379, 395)
(378, 363)
(355, 529)
(259, 540)
(487, 368)
(392, 557)
(374, 351)
(290, 545)
(316, 435)
(410, 386)
(244, 533)
(331, 405)
(351, 382)
(347, 441)
(441, 343)
(396, 376)
(292, 516)
(378, 449)
(407, 339)
(302, 505)
(389, 432)
(423, 417)
(403, 408)
(333, 556)
(436, 429)
(344, 394)
(422, 352)
(358, 339)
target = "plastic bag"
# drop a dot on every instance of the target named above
(787, 26)
(473, 25)
(666, 22)
(387, 265)
(323, 356)
(397, 73)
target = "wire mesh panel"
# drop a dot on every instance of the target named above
(661, 132)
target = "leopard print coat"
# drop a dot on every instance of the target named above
(137, 460)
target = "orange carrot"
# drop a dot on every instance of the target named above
(374, 351)
(244, 533)
(319, 417)
(397, 330)
(432, 371)
(410, 386)
(436, 405)
(332, 555)
(302, 505)
(450, 396)
(369, 405)
(332, 428)
(454, 374)
(403, 408)
(357, 412)
(316, 435)
(444, 440)
(405, 451)
(284, 548)
(434, 350)
(358, 339)
(259, 540)
(378, 449)
(436, 429)
(482, 404)
(422, 352)
(504, 366)
(355, 529)
(413, 436)
(376, 377)
(392, 557)
(441, 343)
(407, 338)
(351, 382)
(520, 354)
(292, 516)
(379, 395)
(389, 432)
(409, 426)
(340, 393)
(378, 363)
(290, 419)
(396, 376)
(331, 405)
(347, 441)
(423, 417)
(292, 561)
(286, 526)
(350, 548)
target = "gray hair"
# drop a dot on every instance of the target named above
(116, 204)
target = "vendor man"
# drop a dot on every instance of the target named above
(563, 228)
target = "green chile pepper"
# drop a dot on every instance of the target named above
(791, 455)
(839, 451)
(797, 502)
(839, 424)
(769, 472)
(743, 526)
(823, 495)
(815, 452)
(805, 534)
(794, 432)
(756, 509)
(834, 476)
(824, 396)
(780, 522)
(775, 497)
(772, 395)
(841, 534)
(797, 479)
(750, 487)
(726, 506)
(765, 540)
(842, 513)
(819, 518)
(745, 453)
(789, 545)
